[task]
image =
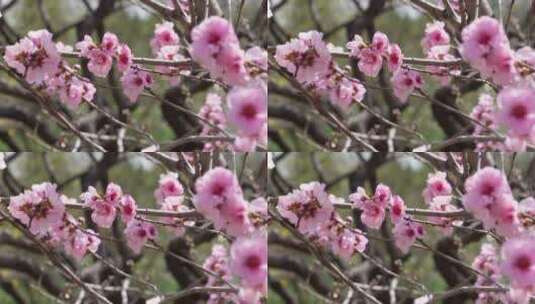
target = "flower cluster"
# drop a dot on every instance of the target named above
(42, 210)
(516, 111)
(247, 110)
(311, 210)
(219, 197)
(35, 56)
(436, 46)
(405, 230)
(486, 47)
(436, 185)
(373, 208)
(489, 198)
(247, 260)
(308, 58)
(38, 58)
(170, 196)
(485, 113)
(212, 111)
(518, 265)
(216, 47)
(371, 57)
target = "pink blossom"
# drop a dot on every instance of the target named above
(518, 261)
(307, 56)
(100, 62)
(355, 46)
(486, 47)
(526, 55)
(370, 62)
(487, 261)
(249, 143)
(40, 208)
(164, 35)
(443, 204)
(128, 208)
(109, 43)
(36, 57)
(526, 212)
(113, 194)
(379, 43)
(517, 110)
(18, 55)
(168, 186)
(215, 47)
(124, 57)
(484, 189)
(372, 215)
(359, 198)
(219, 198)
(405, 234)
(442, 74)
(481, 37)
(213, 189)
(249, 296)
(230, 66)
(373, 209)
(382, 195)
(345, 92)
(258, 212)
(309, 208)
(138, 233)
(234, 217)
(45, 60)
(343, 240)
(91, 196)
(248, 260)
(397, 209)
(85, 45)
(500, 66)
(405, 82)
(75, 91)
(394, 57)
(436, 185)
(248, 109)
(80, 242)
(315, 59)
(485, 113)
(134, 81)
(256, 60)
(289, 55)
(218, 262)
(103, 213)
(175, 224)
(209, 38)
(435, 34)
(212, 111)
(505, 216)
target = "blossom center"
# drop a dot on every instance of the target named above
(523, 263)
(519, 112)
(253, 261)
(249, 111)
